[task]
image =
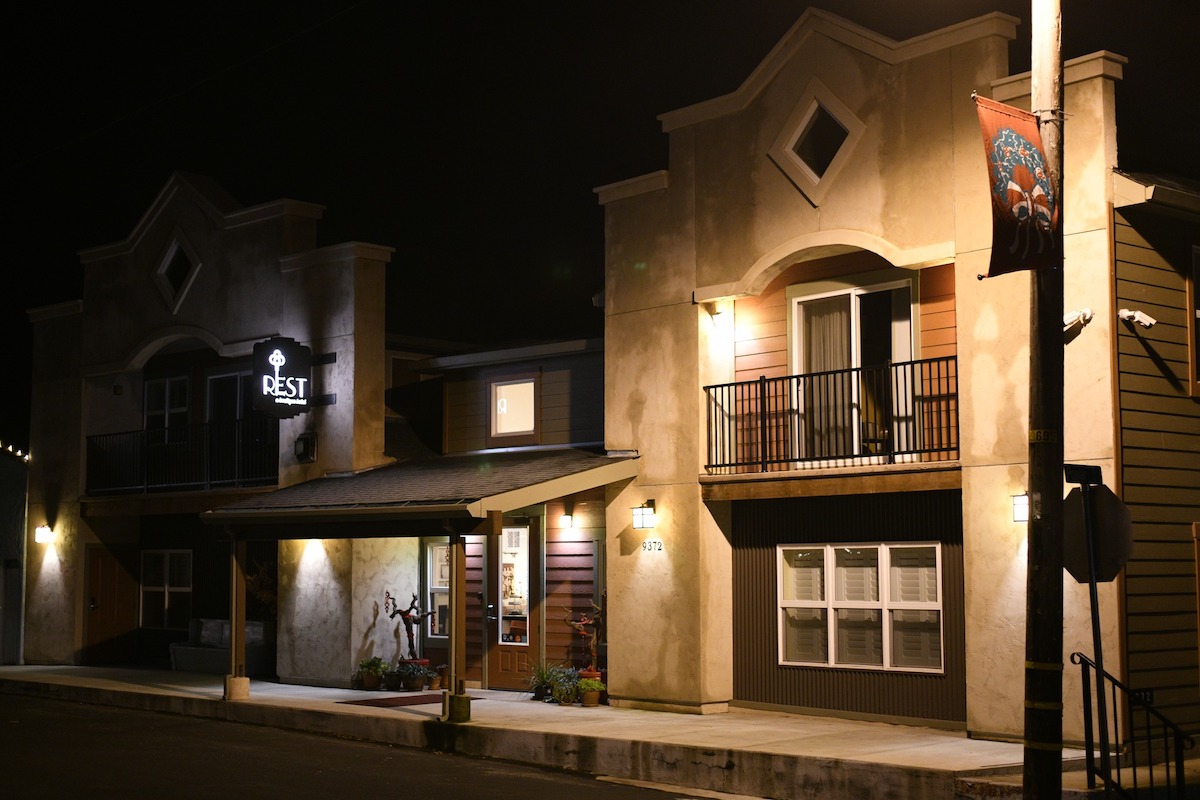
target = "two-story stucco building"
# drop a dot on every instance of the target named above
(831, 408)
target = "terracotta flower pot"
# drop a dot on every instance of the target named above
(589, 699)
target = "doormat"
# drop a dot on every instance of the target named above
(400, 700)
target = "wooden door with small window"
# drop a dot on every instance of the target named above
(514, 590)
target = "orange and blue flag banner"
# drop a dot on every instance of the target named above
(1025, 203)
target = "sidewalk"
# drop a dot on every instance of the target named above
(743, 752)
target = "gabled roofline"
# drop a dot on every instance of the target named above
(816, 22)
(489, 358)
(210, 198)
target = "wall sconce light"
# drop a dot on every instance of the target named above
(44, 534)
(1020, 505)
(567, 520)
(644, 517)
(306, 447)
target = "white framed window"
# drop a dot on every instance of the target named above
(514, 585)
(513, 408)
(845, 339)
(874, 605)
(437, 567)
(166, 408)
(166, 589)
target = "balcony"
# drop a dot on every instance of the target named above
(229, 454)
(889, 414)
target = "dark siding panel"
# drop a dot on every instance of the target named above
(474, 634)
(570, 586)
(1160, 463)
(570, 401)
(760, 525)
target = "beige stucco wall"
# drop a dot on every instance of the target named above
(331, 605)
(723, 219)
(258, 276)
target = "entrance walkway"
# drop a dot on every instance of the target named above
(746, 753)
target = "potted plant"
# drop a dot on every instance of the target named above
(541, 678)
(564, 686)
(371, 672)
(589, 691)
(412, 676)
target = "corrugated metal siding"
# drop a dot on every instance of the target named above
(760, 525)
(1159, 461)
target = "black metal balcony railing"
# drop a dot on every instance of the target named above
(194, 457)
(852, 417)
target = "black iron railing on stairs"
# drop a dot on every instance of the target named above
(1133, 751)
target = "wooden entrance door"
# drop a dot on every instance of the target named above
(111, 613)
(514, 592)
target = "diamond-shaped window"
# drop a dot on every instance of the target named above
(176, 272)
(816, 142)
(820, 141)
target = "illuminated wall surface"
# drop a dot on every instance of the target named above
(700, 263)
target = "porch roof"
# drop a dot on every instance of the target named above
(462, 487)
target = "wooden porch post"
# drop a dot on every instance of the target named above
(237, 685)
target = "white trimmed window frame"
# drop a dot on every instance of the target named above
(166, 590)
(827, 597)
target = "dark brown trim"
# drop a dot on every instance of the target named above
(764, 486)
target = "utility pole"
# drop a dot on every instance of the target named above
(1044, 581)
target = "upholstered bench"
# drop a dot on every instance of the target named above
(207, 648)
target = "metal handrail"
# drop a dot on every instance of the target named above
(236, 453)
(879, 414)
(1149, 732)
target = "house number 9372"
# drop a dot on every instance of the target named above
(652, 545)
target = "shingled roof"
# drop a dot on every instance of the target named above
(459, 485)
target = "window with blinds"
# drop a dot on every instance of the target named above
(874, 605)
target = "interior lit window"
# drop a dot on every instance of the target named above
(514, 586)
(438, 581)
(513, 408)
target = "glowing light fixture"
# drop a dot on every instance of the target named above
(643, 516)
(1020, 506)
(43, 534)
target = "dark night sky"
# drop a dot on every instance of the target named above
(468, 138)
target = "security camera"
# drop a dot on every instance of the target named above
(1140, 317)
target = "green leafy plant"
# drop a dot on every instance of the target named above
(541, 677)
(590, 685)
(407, 669)
(564, 684)
(373, 666)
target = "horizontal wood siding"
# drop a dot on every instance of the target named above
(570, 400)
(570, 589)
(938, 327)
(761, 344)
(1159, 462)
(760, 525)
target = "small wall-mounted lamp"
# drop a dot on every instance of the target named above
(306, 447)
(1020, 506)
(44, 534)
(643, 516)
(1140, 317)
(567, 520)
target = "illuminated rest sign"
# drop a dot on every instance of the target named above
(283, 377)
